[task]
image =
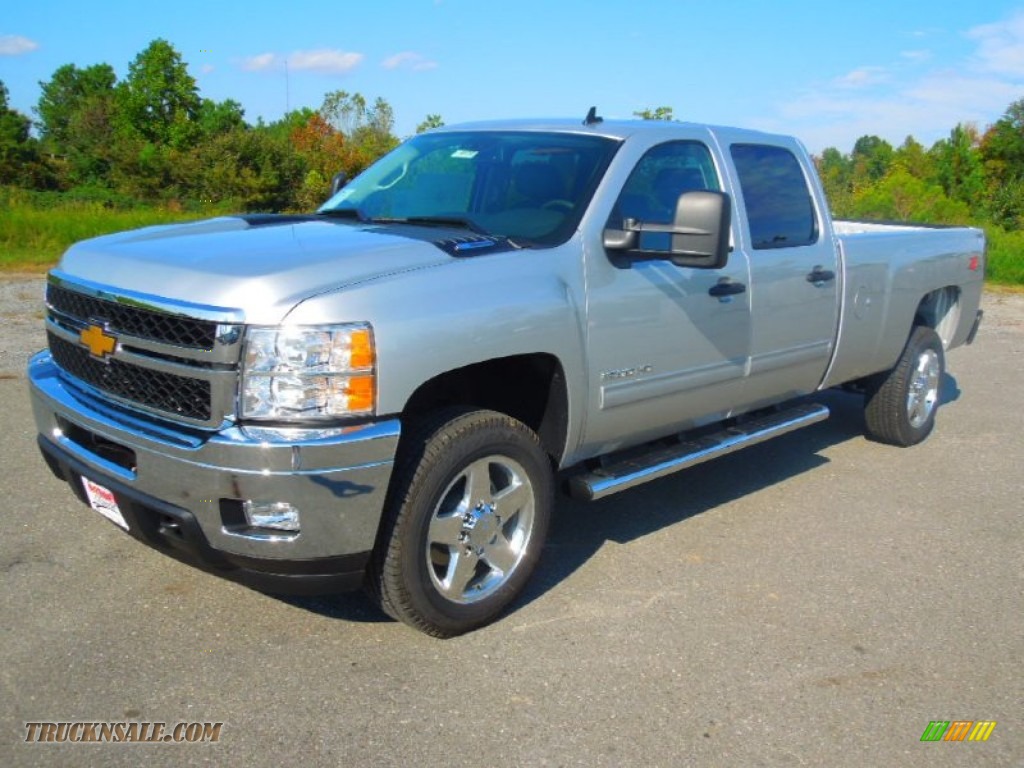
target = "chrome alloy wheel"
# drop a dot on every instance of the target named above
(923, 392)
(480, 529)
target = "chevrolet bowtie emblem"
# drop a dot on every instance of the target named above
(98, 341)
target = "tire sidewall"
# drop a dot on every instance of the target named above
(922, 339)
(487, 435)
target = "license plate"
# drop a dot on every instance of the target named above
(103, 501)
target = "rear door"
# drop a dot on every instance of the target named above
(794, 271)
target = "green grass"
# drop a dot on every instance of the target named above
(36, 229)
(1005, 257)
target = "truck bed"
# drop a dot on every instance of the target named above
(887, 263)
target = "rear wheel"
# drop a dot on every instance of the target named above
(900, 404)
(467, 517)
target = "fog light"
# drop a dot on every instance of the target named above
(279, 515)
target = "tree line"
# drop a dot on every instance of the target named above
(972, 176)
(152, 138)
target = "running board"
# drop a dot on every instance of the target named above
(662, 461)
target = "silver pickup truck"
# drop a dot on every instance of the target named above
(386, 392)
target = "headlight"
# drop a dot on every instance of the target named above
(308, 372)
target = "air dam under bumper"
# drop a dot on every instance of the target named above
(181, 490)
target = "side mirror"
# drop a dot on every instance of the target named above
(699, 233)
(339, 180)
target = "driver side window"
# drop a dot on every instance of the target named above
(653, 188)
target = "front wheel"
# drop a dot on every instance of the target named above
(467, 517)
(900, 404)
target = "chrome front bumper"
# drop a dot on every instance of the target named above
(183, 488)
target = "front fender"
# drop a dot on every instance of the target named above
(469, 310)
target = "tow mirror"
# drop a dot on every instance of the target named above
(699, 235)
(339, 180)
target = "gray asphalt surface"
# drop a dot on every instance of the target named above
(815, 600)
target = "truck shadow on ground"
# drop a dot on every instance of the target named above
(579, 529)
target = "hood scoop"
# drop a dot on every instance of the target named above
(475, 245)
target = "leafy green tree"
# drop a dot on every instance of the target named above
(344, 111)
(70, 91)
(324, 151)
(215, 118)
(658, 113)
(871, 159)
(1002, 156)
(159, 100)
(429, 122)
(958, 166)
(92, 143)
(368, 130)
(77, 113)
(376, 136)
(836, 172)
(912, 157)
(250, 169)
(1002, 147)
(20, 162)
(903, 197)
(283, 128)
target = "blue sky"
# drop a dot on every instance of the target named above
(826, 72)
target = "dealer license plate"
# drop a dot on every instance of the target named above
(103, 501)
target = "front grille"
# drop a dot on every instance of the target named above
(167, 392)
(134, 321)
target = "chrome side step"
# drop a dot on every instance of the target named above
(662, 461)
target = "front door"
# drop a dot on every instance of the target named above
(663, 350)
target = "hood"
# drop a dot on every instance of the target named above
(263, 265)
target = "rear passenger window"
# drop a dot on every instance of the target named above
(779, 205)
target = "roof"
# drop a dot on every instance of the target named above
(616, 129)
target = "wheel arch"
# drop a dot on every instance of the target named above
(940, 310)
(529, 387)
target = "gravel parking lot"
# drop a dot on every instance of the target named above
(816, 600)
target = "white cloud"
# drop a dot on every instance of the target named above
(409, 60)
(916, 57)
(1000, 46)
(259, 63)
(862, 78)
(913, 96)
(16, 45)
(330, 61)
(325, 60)
(207, 68)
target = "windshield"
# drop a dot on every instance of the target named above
(529, 187)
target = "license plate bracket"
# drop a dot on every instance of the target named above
(103, 501)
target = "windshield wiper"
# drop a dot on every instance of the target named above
(436, 221)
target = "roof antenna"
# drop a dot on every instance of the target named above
(592, 118)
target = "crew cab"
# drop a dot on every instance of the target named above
(388, 392)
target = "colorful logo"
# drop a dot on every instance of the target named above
(98, 341)
(958, 730)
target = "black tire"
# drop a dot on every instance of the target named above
(900, 404)
(447, 562)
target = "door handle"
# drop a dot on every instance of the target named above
(820, 276)
(726, 287)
